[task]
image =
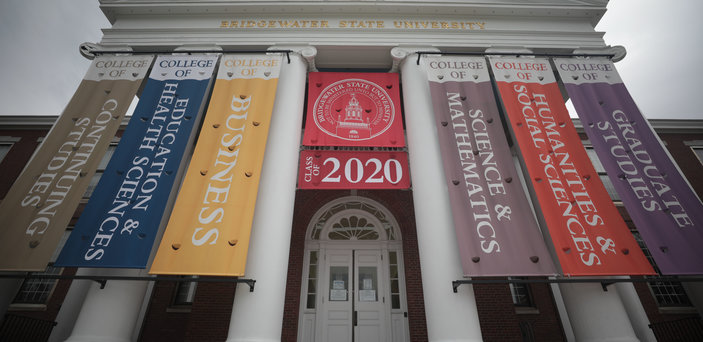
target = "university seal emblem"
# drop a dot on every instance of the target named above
(354, 110)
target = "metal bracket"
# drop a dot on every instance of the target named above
(605, 285)
(250, 282)
(102, 282)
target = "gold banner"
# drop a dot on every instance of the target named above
(208, 231)
(41, 202)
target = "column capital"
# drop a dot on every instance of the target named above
(307, 52)
(618, 51)
(399, 53)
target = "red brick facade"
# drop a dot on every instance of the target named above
(207, 319)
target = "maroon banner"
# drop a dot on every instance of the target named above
(353, 109)
(661, 203)
(353, 170)
(587, 231)
(496, 228)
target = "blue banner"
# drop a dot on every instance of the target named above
(120, 222)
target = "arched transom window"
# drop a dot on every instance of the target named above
(353, 219)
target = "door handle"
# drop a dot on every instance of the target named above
(354, 318)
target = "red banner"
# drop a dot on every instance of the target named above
(353, 170)
(353, 109)
(588, 234)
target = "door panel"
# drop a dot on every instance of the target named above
(336, 298)
(370, 297)
(355, 305)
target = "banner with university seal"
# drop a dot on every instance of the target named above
(209, 229)
(661, 203)
(496, 230)
(42, 200)
(353, 109)
(588, 234)
(119, 224)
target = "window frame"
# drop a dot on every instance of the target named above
(600, 170)
(99, 171)
(7, 141)
(190, 287)
(50, 270)
(656, 282)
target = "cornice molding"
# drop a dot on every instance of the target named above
(593, 10)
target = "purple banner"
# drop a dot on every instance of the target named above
(496, 229)
(666, 211)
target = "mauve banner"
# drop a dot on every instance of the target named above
(664, 208)
(496, 229)
(589, 236)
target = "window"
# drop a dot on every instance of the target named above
(521, 293)
(312, 280)
(395, 279)
(38, 291)
(367, 222)
(602, 174)
(666, 293)
(698, 150)
(185, 292)
(4, 148)
(100, 170)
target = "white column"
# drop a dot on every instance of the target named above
(635, 310)
(110, 314)
(563, 314)
(71, 306)
(450, 316)
(258, 315)
(597, 315)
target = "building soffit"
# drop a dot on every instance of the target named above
(451, 26)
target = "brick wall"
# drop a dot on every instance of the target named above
(691, 167)
(160, 323)
(211, 312)
(19, 154)
(500, 319)
(10, 168)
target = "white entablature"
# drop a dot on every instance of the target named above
(355, 33)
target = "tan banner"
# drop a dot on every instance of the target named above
(42, 200)
(208, 231)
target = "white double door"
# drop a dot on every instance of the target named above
(355, 305)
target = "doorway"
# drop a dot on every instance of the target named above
(353, 282)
